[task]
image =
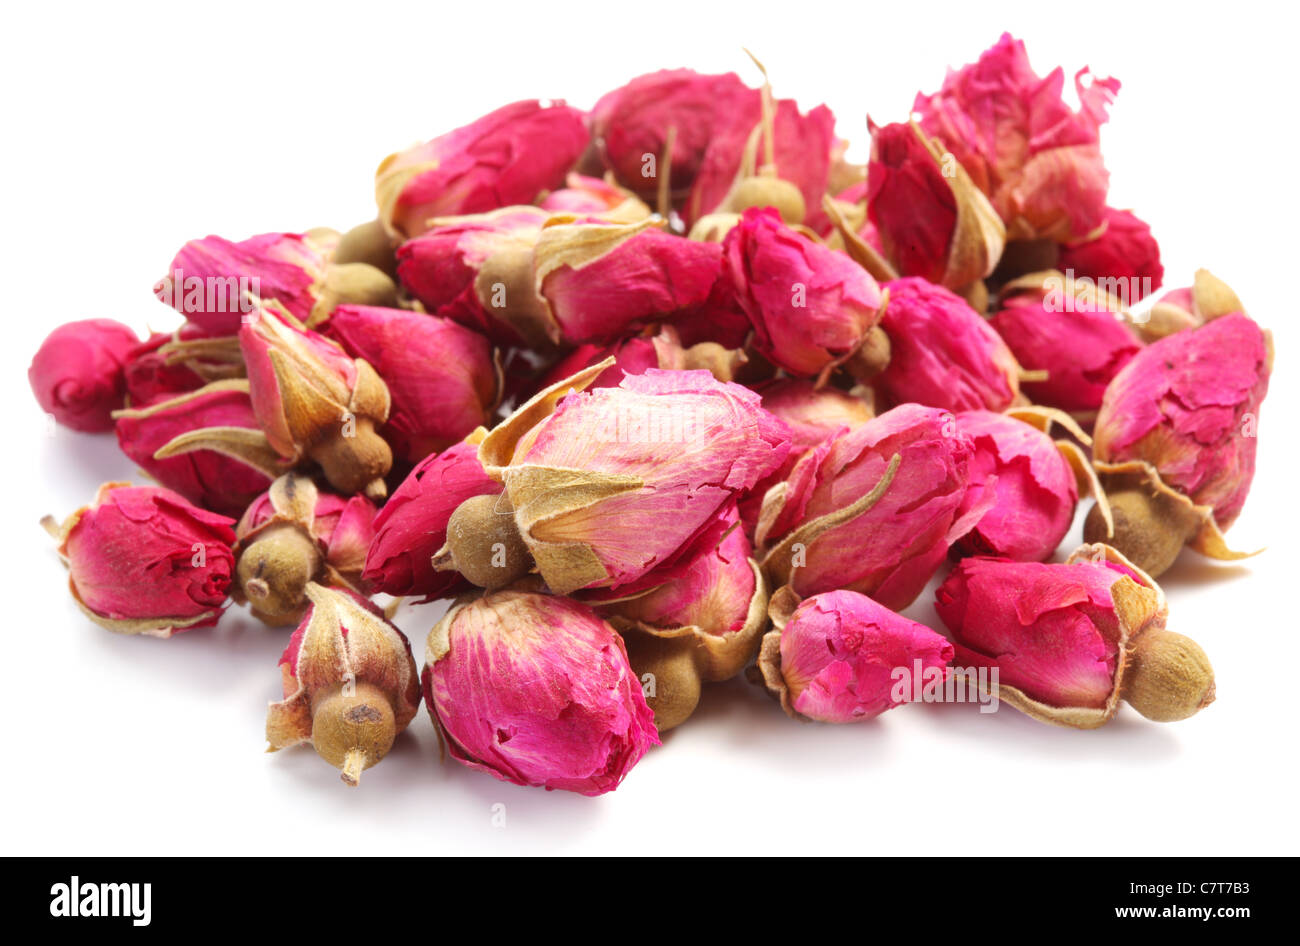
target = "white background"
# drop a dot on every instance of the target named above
(130, 128)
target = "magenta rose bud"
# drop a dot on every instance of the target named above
(943, 353)
(1035, 482)
(478, 271)
(1037, 159)
(442, 377)
(1069, 641)
(1123, 261)
(153, 375)
(1069, 331)
(1175, 439)
(142, 560)
(507, 157)
(602, 281)
(928, 217)
(837, 657)
(630, 125)
(208, 478)
(77, 374)
(874, 509)
(811, 307)
(536, 690)
(616, 487)
(412, 526)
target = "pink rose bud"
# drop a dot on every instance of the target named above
(312, 401)
(443, 378)
(1037, 159)
(478, 271)
(630, 125)
(931, 220)
(216, 283)
(510, 156)
(943, 353)
(536, 690)
(294, 534)
(77, 374)
(412, 526)
(603, 281)
(702, 626)
(142, 560)
(1070, 641)
(813, 415)
(1123, 261)
(207, 478)
(1036, 481)
(583, 196)
(1175, 440)
(811, 307)
(617, 487)
(1208, 298)
(873, 510)
(837, 657)
(799, 149)
(350, 684)
(1070, 330)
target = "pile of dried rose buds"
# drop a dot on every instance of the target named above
(668, 389)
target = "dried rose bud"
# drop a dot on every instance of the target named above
(602, 281)
(701, 627)
(813, 415)
(350, 684)
(208, 478)
(510, 156)
(536, 690)
(872, 510)
(591, 196)
(294, 534)
(77, 374)
(619, 485)
(216, 283)
(636, 355)
(630, 125)
(412, 526)
(478, 271)
(152, 375)
(1124, 260)
(767, 153)
(1036, 481)
(443, 378)
(1022, 145)
(1175, 440)
(943, 353)
(312, 402)
(1070, 329)
(1208, 298)
(834, 657)
(1070, 641)
(931, 220)
(810, 306)
(142, 560)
